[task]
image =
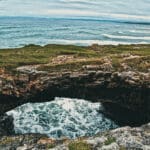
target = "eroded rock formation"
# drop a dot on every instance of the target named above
(127, 90)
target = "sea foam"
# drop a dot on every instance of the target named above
(63, 117)
(20, 31)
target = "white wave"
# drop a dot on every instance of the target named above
(127, 37)
(62, 117)
(140, 31)
(67, 42)
(86, 42)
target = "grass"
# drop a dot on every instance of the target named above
(79, 145)
(49, 146)
(110, 140)
(122, 148)
(140, 63)
(29, 55)
(10, 59)
(74, 65)
(8, 140)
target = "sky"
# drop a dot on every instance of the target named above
(103, 9)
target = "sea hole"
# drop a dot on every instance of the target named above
(62, 117)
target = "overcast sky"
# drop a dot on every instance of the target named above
(118, 9)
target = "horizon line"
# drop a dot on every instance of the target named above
(83, 18)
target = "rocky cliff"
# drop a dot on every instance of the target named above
(129, 90)
(119, 77)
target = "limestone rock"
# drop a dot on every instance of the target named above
(113, 146)
(121, 138)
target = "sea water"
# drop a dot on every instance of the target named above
(62, 117)
(20, 31)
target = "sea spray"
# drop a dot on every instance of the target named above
(63, 117)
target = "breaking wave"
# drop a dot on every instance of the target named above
(127, 37)
(62, 117)
(20, 31)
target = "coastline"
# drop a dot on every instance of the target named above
(118, 73)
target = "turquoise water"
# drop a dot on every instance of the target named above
(62, 117)
(20, 31)
(80, 22)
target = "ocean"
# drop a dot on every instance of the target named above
(62, 117)
(20, 31)
(78, 22)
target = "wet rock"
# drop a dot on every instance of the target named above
(6, 125)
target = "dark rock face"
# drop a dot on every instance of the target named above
(6, 125)
(123, 116)
(129, 90)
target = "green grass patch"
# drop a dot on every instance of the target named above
(79, 145)
(50, 146)
(9, 140)
(10, 59)
(70, 66)
(122, 148)
(110, 140)
(141, 63)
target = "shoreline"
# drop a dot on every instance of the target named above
(23, 31)
(119, 74)
(78, 45)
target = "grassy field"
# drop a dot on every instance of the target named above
(10, 59)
